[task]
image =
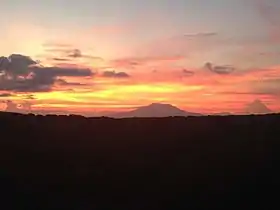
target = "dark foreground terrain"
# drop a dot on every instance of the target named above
(58, 162)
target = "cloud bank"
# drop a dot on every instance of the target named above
(19, 73)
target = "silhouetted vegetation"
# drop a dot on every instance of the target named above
(72, 162)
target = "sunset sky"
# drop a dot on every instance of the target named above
(93, 56)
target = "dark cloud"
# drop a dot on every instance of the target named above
(16, 65)
(61, 59)
(76, 53)
(226, 69)
(114, 74)
(3, 95)
(61, 71)
(20, 73)
(187, 72)
(4, 63)
(63, 82)
(30, 97)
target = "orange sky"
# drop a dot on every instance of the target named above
(164, 81)
(129, 70)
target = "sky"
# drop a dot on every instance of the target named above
(206, 56)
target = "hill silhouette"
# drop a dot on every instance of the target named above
(258, 107)
(155, 110)
(73, 162)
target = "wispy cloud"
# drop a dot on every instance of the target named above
(67, 53)
(134, 62)
(225, 69)
(5, 95)
(201, 35)
(187, 72)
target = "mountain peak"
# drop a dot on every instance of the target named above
(258, 107)
(159, 104)
(156, 110)
(156, 105)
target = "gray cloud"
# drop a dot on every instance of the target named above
(20, 73)
(226, 69)
(114, 74)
